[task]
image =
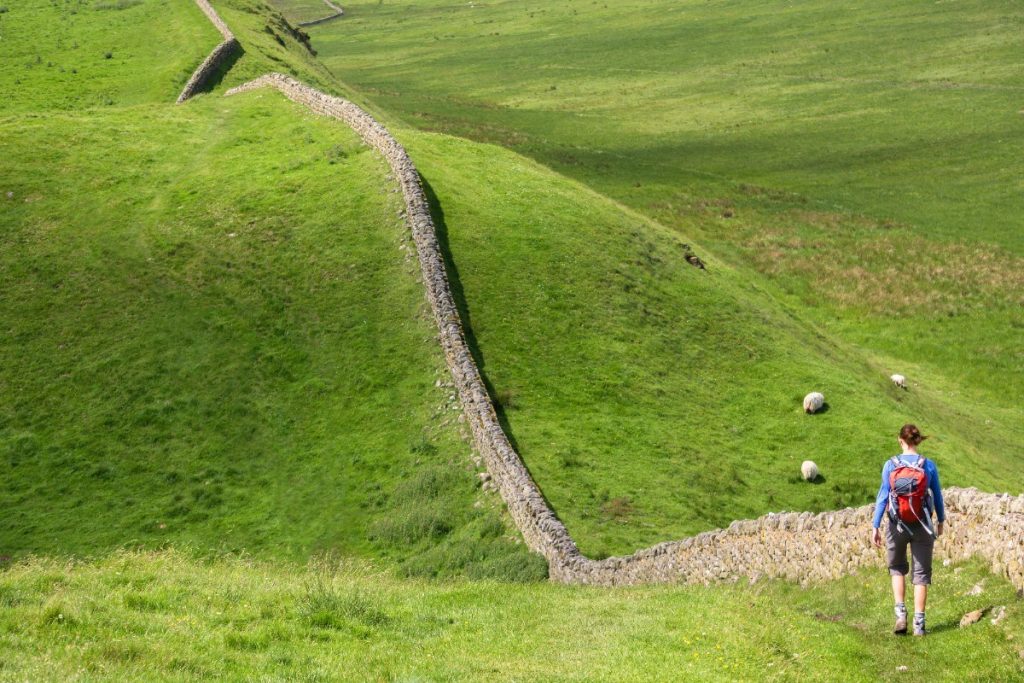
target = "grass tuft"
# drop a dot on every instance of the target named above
(326, 605)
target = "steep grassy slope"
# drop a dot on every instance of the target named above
(165, 617)
(270, 43)
(214, 334)
(865, 158)
(651, 399)
(644, 394)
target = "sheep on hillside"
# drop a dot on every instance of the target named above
(813, 402)
(899, 380)
(809, 470)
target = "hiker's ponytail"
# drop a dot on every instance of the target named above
(911, 434)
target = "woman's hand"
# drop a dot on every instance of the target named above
(876, 537)
(938, 529)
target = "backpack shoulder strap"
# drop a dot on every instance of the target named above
(896, 462)
(920, 462)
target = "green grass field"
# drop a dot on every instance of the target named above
(218, 363)
(164, 616)
(644, 394)
(840, 155)
(203, 345)
(858, 106)
(81, 54)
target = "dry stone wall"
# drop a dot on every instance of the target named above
(809, 548)
(802, 547)
(798, 546)
(221, 54)
(338, 12)
(541, 529)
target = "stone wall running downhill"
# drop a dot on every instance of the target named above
(338, 12)
(540, 527)
(213, 62)
(802, 546)
(798, 546)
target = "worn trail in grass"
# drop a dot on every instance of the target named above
(166, 616)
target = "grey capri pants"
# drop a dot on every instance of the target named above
(922, 545)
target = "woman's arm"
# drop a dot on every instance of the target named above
(936, 487)
(883, 495)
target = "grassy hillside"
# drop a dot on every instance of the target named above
(269, 43)
(90, 53)
(864, 106)
(214, 339)
(164, 616)
(644, 394)
(864, 158)
(98, 53)
(215, 335)
(650, 399)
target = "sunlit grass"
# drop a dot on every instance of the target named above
(215, 334)
(860, 162)
(167, 616)
(651, 399)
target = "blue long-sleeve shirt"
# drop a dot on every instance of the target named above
(933, 483)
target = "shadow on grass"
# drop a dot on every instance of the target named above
(945, 626)
(217, 76)
(798, 480)
(824, 409)
(455, 283)
(458, 294)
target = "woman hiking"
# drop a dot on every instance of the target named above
(910, 492)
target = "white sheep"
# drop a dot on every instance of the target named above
(809, 470)
(813, 402)
(899, 380)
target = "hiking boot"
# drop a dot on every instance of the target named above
(919, 629)
(901, 625)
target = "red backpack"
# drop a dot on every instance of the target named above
(909, 495)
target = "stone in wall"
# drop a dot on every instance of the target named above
(215, 19)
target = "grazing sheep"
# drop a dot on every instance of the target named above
(899, 380)
(809, 470)
(813, 402)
